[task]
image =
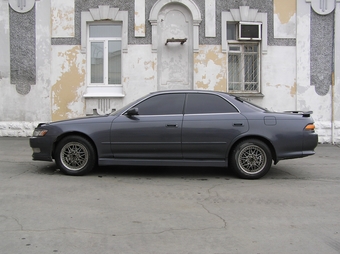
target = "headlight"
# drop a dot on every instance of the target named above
(39, 132)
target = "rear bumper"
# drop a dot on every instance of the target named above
(309, 143)
(42, 148)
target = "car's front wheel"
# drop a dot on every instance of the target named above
(75, 155)
(251, 159)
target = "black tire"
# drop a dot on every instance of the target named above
(75, 155)
(251, 159)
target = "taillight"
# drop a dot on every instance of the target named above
(310, 127)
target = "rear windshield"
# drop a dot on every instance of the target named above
(252, 105)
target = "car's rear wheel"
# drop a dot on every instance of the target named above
(251, 159)
(75, 155)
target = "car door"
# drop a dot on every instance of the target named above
(210, 123)
(153, 133)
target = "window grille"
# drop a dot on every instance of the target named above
(243, 68)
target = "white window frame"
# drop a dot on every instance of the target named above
(244, 14)
(105, 41)
(104, 13)
(242, 53)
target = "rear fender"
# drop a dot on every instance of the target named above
(263, 139)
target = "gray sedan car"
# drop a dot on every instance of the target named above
(179, 128)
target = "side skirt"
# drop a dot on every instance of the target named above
(182, 163)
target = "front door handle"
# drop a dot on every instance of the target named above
(238, 124)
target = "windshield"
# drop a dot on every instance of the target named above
(119, 111)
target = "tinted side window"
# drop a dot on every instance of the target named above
(207, 103)
(164, 104)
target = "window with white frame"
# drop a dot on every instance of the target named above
(243, 62)
(243, 68)
(104, 53)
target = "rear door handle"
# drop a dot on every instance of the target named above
(172, 125)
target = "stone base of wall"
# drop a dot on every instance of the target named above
(17, 129)
(25, 129)
(324, 130)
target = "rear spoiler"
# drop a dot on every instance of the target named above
(303, 113)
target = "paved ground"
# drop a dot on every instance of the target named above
(294, 209)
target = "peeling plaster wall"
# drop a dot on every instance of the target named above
(140, 76)
(284, 18)
(68, 82)
(62, 18)
(210, 68)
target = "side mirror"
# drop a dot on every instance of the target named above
(132, 112)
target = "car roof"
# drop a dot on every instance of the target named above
(189, 91)
(185, 91)
(223, 94)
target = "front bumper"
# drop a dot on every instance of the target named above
(42, 148)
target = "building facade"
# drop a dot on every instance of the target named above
(70, 58)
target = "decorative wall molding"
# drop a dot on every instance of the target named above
(195, 12)
(244, 13)
(323, 7)
(104, 12)
(22, 31)
(21, 6)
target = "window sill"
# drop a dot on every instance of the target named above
(108, 91)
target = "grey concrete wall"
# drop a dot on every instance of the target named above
(322, 44)
(22, 50)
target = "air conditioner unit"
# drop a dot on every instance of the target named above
(249, 31)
